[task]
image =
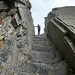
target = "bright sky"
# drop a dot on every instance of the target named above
(40, 9)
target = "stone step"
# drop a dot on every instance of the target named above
(42, 36)
(45, 42)
(41, 44)
(45, 49)
(31, 68)
(40, 39)
(42, 57)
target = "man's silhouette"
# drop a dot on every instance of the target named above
(38, 29)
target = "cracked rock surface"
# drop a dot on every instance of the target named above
(44, 59)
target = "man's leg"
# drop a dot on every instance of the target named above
(38, 32)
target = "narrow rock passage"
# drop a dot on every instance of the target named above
(44, 59)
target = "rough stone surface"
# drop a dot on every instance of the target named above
(22, 52)
(16, 34)
(47, 62)
(60, 29)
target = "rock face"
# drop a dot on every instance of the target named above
(22, 52)
(61, 30)
(16, 35)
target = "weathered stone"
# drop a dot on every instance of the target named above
(17, 30)
(63, 68)
(20, 55)
(42, 71)
(42, 57)
(58, 57)
(60, 29)
(3, 5)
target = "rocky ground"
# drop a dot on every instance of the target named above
(44, 59)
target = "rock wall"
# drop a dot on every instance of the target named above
(60, 27)
(16, 35)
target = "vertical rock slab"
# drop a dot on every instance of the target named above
(61, 30)
(16, 35)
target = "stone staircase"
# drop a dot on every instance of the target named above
(44, 59)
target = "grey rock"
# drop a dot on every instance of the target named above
(61, 30)
(31, 67)
(42, 49)
(42, 71)
(3, 5)
(20, 44)
(42, 57)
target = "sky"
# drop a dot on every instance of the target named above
(40, 9)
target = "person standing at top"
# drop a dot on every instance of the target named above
(38, 29)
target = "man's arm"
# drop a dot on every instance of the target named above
(36, 26)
